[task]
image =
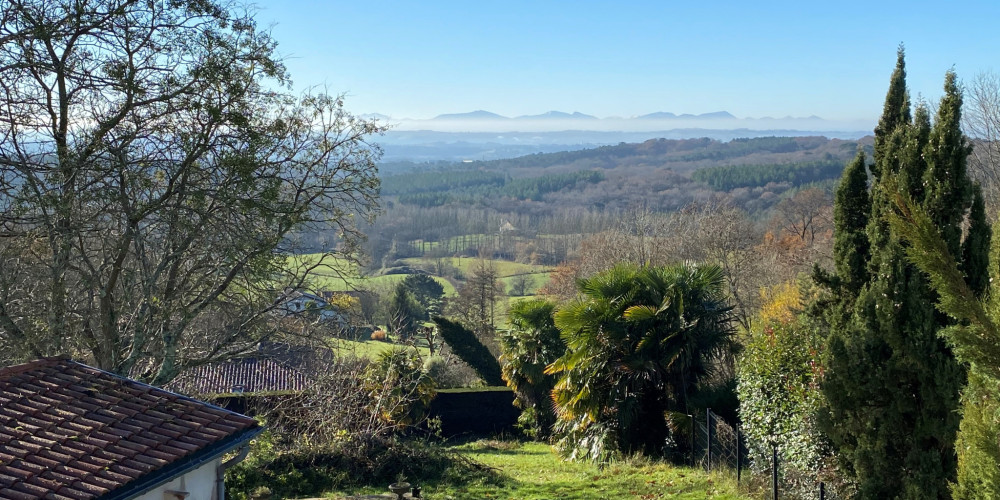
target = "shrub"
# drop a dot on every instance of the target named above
(352, 462)
(447, 375)
(778, 373)
(399, 391)
(450, 372)
(345, 431)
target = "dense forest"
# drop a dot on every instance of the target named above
(553, 200)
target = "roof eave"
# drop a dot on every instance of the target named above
(177, 469)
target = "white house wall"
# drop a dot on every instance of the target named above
(199, 484)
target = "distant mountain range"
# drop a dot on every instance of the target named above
(483, 134)
(472, 115)
(576, 115)
(558, 115)
(563, 119)
(663, 115)
(483, 121)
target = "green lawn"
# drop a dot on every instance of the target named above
(532, 471)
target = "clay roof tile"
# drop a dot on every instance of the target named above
(69, 431)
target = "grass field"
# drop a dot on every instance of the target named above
(467, 264)
(339, 275)
(338, 284)
(532, 471)
(535, 281)
(369, 349)
(325, 265)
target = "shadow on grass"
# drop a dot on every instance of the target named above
(512, 488)
(495, 451)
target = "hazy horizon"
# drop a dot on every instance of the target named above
(617, 124)
(421, 59)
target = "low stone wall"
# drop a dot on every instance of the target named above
(475, 412)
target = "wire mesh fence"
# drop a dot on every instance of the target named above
(719, 445)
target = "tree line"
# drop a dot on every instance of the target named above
(736, 176)
(434, 190)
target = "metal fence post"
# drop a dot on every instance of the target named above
(774, 471)
(694, 444)
(708, 439)
(737, 454)
(822, 491)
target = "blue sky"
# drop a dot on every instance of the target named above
(751, 58)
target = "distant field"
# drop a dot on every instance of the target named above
(338, 284)
(467, 264)
(325, 264)
(369, 349)
(340, 275)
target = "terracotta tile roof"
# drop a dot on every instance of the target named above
(247, 375)
(71, 431)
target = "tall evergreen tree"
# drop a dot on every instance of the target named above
(948, 189)
(850, 216)
(975, 337)
(976, 247)
(892, 384)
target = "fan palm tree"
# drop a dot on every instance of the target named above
(639, 340)
(531, 344)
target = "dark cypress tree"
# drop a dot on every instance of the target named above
(850, 216)
(892, 384)
(913, 164)
(976, 247)
(891, 136)
(468, 348)
(895, 111)
(949, 190)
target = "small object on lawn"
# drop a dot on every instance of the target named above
(399, 489)
(416, 491)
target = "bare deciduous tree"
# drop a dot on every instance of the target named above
(152, 173)
(981, 121)
(806, 213)
(724, 235)
(477, 305)
(709, 233)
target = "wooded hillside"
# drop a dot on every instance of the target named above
(552, 200)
